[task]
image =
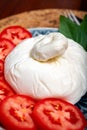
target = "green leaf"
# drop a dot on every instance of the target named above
(73, 31)
(84, 24)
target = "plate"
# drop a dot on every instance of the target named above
(43, 31)
(82, 104)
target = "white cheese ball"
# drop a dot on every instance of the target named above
(59, 74)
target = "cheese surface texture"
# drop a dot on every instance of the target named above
(48, 66)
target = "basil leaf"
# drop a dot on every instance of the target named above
(73, 31)
(84, 24)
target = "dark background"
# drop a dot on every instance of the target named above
(11, 7)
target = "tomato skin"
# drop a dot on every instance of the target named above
(1, 69)
(5, 90)
(57, 114)
(15, 33)
(6, 46)
(16, 113)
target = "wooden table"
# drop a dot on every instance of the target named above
(39, 18)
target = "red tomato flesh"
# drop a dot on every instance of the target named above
(5, 90)
(1, 69)
(16, 113)
(5, 47)
(16, 34)
(57, 114)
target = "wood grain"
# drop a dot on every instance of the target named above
(39, 18)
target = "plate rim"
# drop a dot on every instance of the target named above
(42, 28)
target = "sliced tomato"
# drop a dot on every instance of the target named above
(57, 114)
(1, 69)
(16, 34)
(5, 90)
(5, 47)
(16, 113)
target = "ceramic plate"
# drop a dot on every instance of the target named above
(43, 31)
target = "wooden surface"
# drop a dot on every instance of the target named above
(11, 7)
(39, 18)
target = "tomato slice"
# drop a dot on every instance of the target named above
(16, 34)
(5, 90)
(1, 69)
(5, 47)
(16, 113)
(57, 114)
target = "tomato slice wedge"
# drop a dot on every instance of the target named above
(5, 90)
(1, 69)
(16, 113)
(57, 114)
(5, 47)
(15, 33)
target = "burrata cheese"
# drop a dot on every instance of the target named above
(48, 66)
